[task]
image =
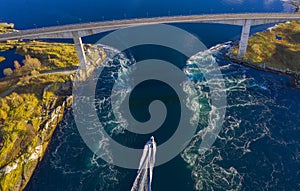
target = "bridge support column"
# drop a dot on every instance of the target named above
(244, 38)
(81, 56)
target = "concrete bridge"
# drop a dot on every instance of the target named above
(77, 31)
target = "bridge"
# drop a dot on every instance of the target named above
(77, 31)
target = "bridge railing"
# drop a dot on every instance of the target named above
(163, 19)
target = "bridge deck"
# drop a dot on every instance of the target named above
(85, 29)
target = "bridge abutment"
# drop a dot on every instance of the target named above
(81, 55)
(244, 38)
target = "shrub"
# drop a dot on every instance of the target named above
(17, 64)
(31, 64)
(2, 58)
(7, 71)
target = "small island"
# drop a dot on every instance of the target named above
(33, 97)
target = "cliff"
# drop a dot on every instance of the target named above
(17, 167)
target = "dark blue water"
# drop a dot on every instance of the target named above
(10, 57)
(258, 147)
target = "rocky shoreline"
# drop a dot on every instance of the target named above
(16, 174)
(295, 76)
(274, 50)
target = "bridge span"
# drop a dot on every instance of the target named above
(77, 31)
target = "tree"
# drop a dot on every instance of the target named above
(31, 64)
(7, 71)
(17, 64)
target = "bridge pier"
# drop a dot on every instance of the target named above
(81, 56)
(244, 38)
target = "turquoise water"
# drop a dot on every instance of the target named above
(258, 147)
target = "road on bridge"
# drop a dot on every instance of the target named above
(85, 29)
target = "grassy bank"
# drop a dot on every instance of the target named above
(278, 47)
(55, 56)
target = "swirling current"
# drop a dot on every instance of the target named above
(257, 148)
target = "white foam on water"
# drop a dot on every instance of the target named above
(206, 173)
(121, 67)
(144, 176)
(238, 131)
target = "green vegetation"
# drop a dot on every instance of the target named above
(20, 113)
(31, 63)
(25, 110)
(2, 58)
(19, 122)
(6, 27)
(22, 119)
(7, 83)
(278, 47)
(31, 66)
(23, 114)
(7, 71)
(54, 55)
(39, 57)
(37, 85)
(8, 45)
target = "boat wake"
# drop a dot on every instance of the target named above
(144, 176)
